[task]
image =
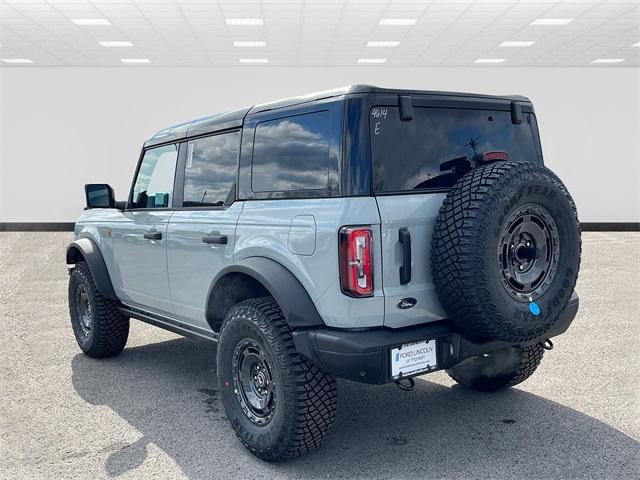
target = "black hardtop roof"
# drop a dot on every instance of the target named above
(235, 118)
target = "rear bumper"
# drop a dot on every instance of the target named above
(363, 355)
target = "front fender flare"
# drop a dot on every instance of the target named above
(292, 298)
(86, 249)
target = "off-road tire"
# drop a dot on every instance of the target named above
(465, 262)
(109, 327)
(305, 396)
(498, 370)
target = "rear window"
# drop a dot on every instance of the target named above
(292, 153)
(413, 155)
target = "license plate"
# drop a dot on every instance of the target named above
(413, 358)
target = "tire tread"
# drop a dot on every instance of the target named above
(110, 326)
(314, 390)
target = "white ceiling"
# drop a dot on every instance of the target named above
(322, 32)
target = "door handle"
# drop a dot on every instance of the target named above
(405, 269)
(153, 235)
(215, 239)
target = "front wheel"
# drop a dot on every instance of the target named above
(279, 404)
(497, 370)
(101, 330)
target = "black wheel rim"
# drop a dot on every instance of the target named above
(253, 381)
(528, 252)
(84, 312)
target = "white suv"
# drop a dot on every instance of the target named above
(363, 233)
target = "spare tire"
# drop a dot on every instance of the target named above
(505, 252)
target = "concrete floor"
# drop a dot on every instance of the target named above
(154, 410)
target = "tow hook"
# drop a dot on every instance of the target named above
(405, 384)
(547, 344)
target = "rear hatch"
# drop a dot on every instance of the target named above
(415, 161)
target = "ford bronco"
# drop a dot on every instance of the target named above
(361, 233)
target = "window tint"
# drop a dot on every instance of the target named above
(291, 153)
(154, 183)
(210, 170)
(410, 155)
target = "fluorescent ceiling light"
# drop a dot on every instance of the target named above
(490, 60)
(254, 60)
(552, 21)
(250, 44)
(244, 21)
(383, 44)
(116, 44)
(608, 60)
(372, 60)
(135, 60)
(397, 21)
(637, 44)
(516, 44)
(90, 21)
(17, 60)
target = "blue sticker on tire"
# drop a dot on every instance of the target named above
(534, 308)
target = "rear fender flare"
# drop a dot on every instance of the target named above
(290, 295)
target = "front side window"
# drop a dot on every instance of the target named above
(439, 145)
(292, 153)
(154, 183)
(210, 170)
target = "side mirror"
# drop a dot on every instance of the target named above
(99, 195)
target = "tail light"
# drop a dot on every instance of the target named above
(356, 261)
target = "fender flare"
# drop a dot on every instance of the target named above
(88, 250)
(290, 295)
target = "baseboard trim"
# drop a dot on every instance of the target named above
(610, 226)
(68, 227)
(36, 226)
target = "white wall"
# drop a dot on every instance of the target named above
(63, 127)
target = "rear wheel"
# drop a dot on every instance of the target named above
(497, 370)
(101, 330)
(279, 404)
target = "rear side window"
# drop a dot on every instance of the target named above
(413, 155)
(210, 170)
(154, 183)
(292, 153)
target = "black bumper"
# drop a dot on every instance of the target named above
(363, 355)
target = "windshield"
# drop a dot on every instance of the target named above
(439, 145)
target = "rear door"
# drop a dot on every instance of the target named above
(201, 233)
(415, 162)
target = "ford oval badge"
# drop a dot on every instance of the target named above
(408, 302)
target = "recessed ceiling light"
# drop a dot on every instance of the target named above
(372, 60)
(250, 44)
(116, 44)
(244, 21)
(516, 44)
(383, 44)
(135, 60)
(637, 44)
(17, 60)
(608, 60)
(490, 60)
(90, 21)
(397, 21)
(254, 60)
(552, 21)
